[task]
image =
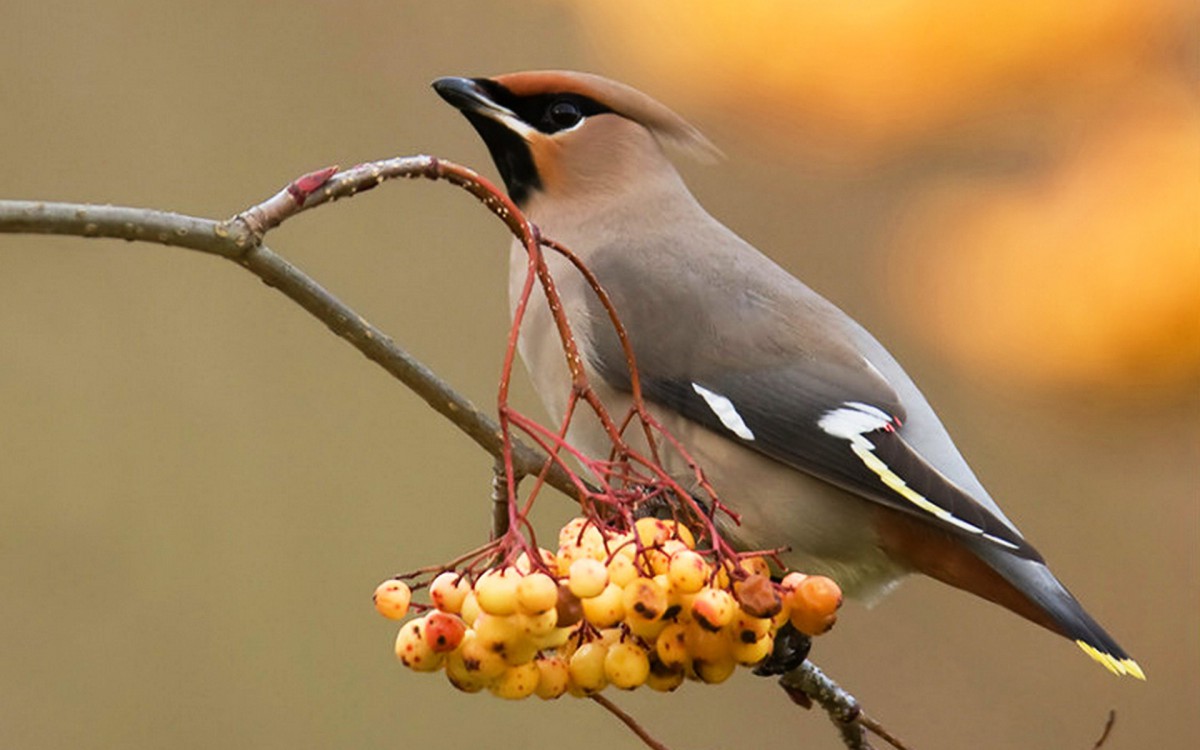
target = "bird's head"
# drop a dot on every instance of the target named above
(563, 133)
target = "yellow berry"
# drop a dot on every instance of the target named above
(412, 650)
(466, 680)
(745, 628)
(671, 645)
(537, 593)
(481, 661)
(556, 638)
(706, 645)
(713, 608)
(621, 569)
(496, 591)
(664, 679)
(714, 672)
(606, 609)
(498, 634)
(516, 682)
(687, 572)
(753, 652)
(525, 565)
(553, 676)
(539, 625)
(644, 599)
(755, 566)
(586, 668)
(392, 599)
(647, 630)
(448, 591)
(572, 531)
(587, 577)
(470, 609)
(626, 666)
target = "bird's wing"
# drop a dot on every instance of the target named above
(776, 371)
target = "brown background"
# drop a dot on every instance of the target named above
(200, 486)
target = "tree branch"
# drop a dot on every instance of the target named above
(240, 239)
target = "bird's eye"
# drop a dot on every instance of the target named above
(564, 114)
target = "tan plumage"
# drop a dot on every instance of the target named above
(805, 424)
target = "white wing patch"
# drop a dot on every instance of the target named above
(725, 411)
(850, 422)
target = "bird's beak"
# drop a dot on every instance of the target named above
(468, 97)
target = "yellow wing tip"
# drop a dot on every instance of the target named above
(1112, 663)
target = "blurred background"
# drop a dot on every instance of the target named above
(200, 486)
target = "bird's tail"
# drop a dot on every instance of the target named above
(1055, 608)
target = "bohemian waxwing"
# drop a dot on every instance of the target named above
(803, 422)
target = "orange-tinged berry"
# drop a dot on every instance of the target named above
(392, 599)
(814, 605)
(443, 631)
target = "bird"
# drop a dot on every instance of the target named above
(808, 428)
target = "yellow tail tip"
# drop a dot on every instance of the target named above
(1112, 663)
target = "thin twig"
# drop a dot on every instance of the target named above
(500, 501)
(842, 707)
(630, 722)
(877, 729)
(1108, 725)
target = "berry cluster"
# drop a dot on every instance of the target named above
(640, 608)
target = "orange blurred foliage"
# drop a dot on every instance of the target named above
(1082, 269)
(858, 77)
(1088, 274)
